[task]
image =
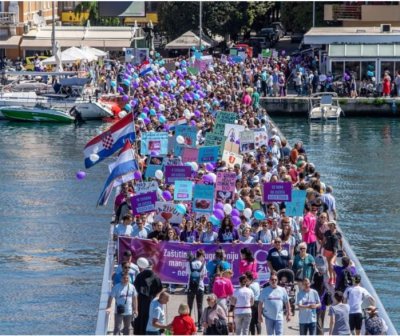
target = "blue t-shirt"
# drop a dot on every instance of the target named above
(157, 312)
(307, 315)
(273, 300)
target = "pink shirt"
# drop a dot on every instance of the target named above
(310, 220)
(222, 287)
(246, 100)
(245, 266)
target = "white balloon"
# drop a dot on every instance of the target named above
(122, 114)
(195, 166)
(159, 174)
(214, 177)
(228, 209)
(247, 213)
(187, 114)
(161, 107)
(162, 69)
(94, 157)
(181, 89)
(151, 83)
(176, 64)
(180, 139)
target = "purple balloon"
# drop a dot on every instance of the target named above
(137, 175)
(209, 167)
(207, 179)
(219, 205)
(145, 85)
(193, 122)
(235, 213)
(146, 109)
(146, 121)
(219, 214)
(236, 220)
(167, 195)
(197, 113)
(125, 98)
(133, 103)
(80, 175)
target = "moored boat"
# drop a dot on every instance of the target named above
(41, 114)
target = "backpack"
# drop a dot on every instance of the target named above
(346, 281)
(374, 326)
(194, 278)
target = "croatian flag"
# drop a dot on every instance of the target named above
(125, 164)
(110, 141)
(145, 68)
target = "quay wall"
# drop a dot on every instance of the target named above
(352, 107)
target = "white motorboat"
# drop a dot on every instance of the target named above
(324, 107)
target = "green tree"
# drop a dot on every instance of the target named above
(297, 16)
(92, 7)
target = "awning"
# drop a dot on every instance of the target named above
(188, 40)
(11, 42)
(46, 43)
(364, 50)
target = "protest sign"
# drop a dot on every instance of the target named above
(260, 137)
(145, 187)
(173, 173)
(277, 192)
(167, 212)
(154, 142)
(233, 52)
(153, 163)
(190, 154)
(208, 154)
(170, 259)
(172, 161)
(232, 158)
(213, 139)
(225, 186)
(231, 147)
(224, 59)
(265, 53)
(203, 198)
(183, 191)
(296, 206)
(143, 203)
(242, 55)
(223, 118)
(232, 132)
(190, 136)
(247, 143)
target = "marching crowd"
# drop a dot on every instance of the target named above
(309, 273)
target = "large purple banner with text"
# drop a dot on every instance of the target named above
(169, 259)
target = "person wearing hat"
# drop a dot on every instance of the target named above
(374, 324)
(355, 296)
(148, 285)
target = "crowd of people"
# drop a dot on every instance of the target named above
(309, 274)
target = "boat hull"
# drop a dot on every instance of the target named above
(36, 115)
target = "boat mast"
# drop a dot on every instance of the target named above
(53, 29)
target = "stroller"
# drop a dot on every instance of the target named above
(286, 280)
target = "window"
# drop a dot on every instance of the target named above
(337, 69)
(387, 66)
(353, 67)
(367, 68)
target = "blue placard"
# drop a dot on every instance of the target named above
(151, 170)
(189, 134)
(183, 191)
(203, 198)
(296, 206)
(156, 142)
(208, 154)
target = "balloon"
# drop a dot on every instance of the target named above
(213, 177)
(128, 107)
(207, 179)
(197, 113)
(194, 166)
(122, 114)
(219, 205)
(113, 83)
(236, 220)
(143, 115)
(80, 175)
(188, 82)
(125, 98)
(159, 174)
(161, 107)
(247, 213)
(209, 167)
(180, 139)
(214, 220)
(235, 212)
(94, 157)
(193, 123)
(219, 214)
(180, 208)
(146, 121)
(196, 96)
(152, 112)
(162, 119)
(228, 208)
(187, 113)
(240, 205)
(167, 195)
(259, 215)
(137, 175)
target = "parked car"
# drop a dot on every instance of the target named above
(258, 43)
(271, 34)
(280, 28)
(296, 37)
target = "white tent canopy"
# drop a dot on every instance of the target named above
(72, 55)
(188, 40)
(94, 51)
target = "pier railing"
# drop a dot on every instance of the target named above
(103, 318)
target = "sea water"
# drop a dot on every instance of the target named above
(53, 239)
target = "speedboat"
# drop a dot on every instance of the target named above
(324, 107)
(38, 113)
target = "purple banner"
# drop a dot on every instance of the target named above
(143, 203)
(277, 192)
(169, 259)
(173, 173)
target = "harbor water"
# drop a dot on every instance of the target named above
(53, 238)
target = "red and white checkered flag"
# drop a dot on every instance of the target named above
(108, 140)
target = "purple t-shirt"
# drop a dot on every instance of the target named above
(227, 236)
(189, 236)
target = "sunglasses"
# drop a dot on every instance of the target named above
(273, 279)
(303, 248)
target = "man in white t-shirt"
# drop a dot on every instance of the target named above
(243, 300)
(355, 296)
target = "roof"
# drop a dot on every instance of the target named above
(100, 37)
(10, 42)
(331, 35)
(188, 40)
